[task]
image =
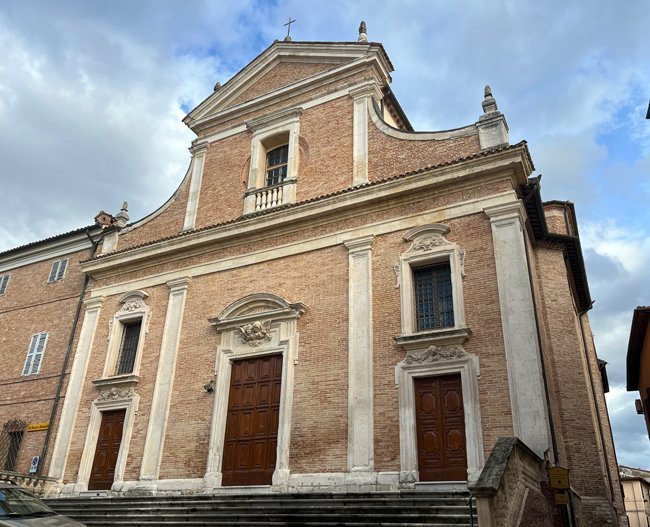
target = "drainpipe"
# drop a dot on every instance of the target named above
(66, 359)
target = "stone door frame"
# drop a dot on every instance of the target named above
(254, 326)
(113, 399)
(432, 362)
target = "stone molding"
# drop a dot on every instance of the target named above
(428, 362)
(511, 163)
(429, 245)
(278, 319)
(388, 130)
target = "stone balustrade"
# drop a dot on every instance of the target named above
(268, 197)
(508, 488)
(39, 485)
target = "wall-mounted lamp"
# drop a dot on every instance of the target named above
(208, 387)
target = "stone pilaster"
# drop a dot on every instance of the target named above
(527, 396)
(360, 393)
(153, 446)
(362, 99)
(198, 160)
(75, 387)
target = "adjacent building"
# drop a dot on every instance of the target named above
(333, 301)
(638, 362)
(636, 488)
(41, 291)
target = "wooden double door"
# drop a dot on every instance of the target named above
(109, 441)
(251, 435)
(440, 428)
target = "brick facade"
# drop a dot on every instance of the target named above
(454, 197)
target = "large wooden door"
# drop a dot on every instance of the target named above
(252, 426)
(108, 448)
(440, 424)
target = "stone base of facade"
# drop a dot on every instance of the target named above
(343, 482)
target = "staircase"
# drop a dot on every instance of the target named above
(323, 510)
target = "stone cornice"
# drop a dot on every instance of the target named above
(508, 163)
(47, 250)
(212, 111)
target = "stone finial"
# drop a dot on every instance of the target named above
(363, 35)
(492, 126)
(217, 86)
(122, 217)
(489, 103)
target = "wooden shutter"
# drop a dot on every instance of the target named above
(54, 271)
(4, 279)
(62, 266)
(35, 353)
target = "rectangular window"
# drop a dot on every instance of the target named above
(434, 305)
(129, 347)
(35, 354)
(4, 280)
(58, 270)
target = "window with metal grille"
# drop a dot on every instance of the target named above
(434, 305)
(4, 280)
(276, 165)
(35, 354)
(15, 438)
(129, 347)
(58, 270)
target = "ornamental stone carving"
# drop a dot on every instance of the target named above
(427, 237)
(427, 243)
(133, 304)
(397, 271)
(116, 394)
(256, 333)
(435, 354)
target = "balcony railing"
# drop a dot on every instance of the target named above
(268, 197)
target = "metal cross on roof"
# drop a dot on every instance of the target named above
(288, 37)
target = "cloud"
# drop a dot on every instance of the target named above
(92, 95)
(630, 434)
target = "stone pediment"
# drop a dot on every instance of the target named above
(282, 67)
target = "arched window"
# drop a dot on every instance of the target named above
(276, 165)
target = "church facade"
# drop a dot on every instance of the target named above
(333, 301)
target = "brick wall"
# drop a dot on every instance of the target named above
(32, 305)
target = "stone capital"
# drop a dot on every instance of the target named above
(359, 244)
(506, 212)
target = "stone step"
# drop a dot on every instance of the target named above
(326, 509)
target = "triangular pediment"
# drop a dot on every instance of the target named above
(286, 66)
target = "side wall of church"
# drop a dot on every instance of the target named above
(578, 422)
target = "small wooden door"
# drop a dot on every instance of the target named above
(440, 425)
(252, 426)
(108, 448)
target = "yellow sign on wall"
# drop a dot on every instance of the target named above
(37, 427)
(561, 499)
(558, 477)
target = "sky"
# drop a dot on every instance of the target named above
(92, 95)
